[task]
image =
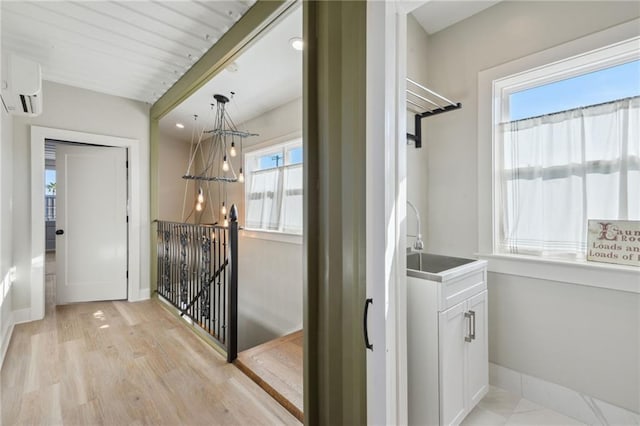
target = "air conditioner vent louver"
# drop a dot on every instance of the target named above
(22, 86)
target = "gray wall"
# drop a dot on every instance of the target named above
(173, 157)
(584, 338)
(417, 64)
(71, 108)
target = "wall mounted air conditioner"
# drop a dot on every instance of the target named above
(21, 86)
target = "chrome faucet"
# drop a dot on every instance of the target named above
(418, 244)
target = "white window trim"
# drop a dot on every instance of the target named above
(293, 138)
(617, 277)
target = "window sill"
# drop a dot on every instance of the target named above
(592, 274)
(280, 237)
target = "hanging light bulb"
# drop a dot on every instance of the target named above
(241, 176)
(232, 151)
(225, 165)
(200, 196)
(223, 210)
(199, 207)
(226, 222)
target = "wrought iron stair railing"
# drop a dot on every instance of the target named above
(197, 274)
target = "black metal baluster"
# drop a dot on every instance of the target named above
(232, 340)
(209, 276)
(216, 265)
(192, 283)
(223, 317)
(219, 320)
(159, 246)
(193, 277)
(175, 266)
(173, 258)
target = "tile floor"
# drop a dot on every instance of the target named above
(500, 407)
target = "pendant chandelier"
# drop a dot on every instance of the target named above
(210, 161)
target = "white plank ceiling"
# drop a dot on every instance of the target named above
(133, 49)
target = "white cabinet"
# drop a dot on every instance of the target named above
(464, 366)
(448, 366)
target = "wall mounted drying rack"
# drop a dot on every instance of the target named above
(429, 102)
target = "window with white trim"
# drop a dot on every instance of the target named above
(566, 150)
(273, 188)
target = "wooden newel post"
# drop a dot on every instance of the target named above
(232, 348)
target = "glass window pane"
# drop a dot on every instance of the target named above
(273, 188)
(271, 160)
(295, 155)
(600, 86)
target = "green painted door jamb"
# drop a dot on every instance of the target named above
(334, 131)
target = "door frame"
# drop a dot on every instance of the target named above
(386, 194)
(134, 197)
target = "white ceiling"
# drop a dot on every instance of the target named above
(269, 74)
(133, 49)
(436, 15)
(138, 49)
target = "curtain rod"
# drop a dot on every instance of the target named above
(551, 114)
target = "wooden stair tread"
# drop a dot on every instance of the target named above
(276, 366)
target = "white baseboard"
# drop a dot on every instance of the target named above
(4, 343)
(22, 315)
(143, 294)
(16, 317)
(569, 402)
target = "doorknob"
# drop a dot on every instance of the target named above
(59, 231)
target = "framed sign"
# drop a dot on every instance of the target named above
(614, 241)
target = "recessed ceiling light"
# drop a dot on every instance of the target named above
(180, 125)
(232, 67)
(296, 43)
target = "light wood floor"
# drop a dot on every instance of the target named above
(277, 367)
(121, 363)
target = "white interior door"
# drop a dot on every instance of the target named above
(91, 223)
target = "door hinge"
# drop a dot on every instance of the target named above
(127, 274)
(126, 163)
(127, 218)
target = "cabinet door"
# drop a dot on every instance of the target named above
(477, 350)
(453, 328)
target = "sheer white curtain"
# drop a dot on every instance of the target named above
(562, 169)
(264, 199)
(274, 201)
(291, 218)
